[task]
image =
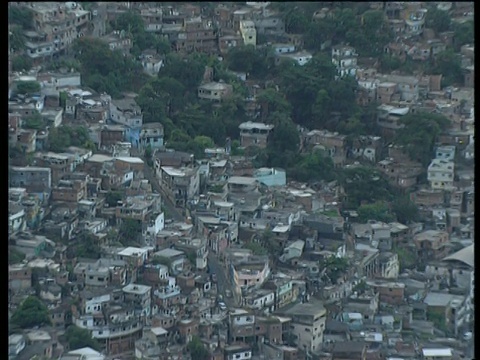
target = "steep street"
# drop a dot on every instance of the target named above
(223, 282)
(176, 214)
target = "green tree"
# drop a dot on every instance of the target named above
(204, 142)
(296, 22)
(58, 140)
(318, 33)
(378, 211)
(256, 248)
(321, 109)
(464, 33)
(270, 243)
(313, 167)
(130, 232)
(105, 70)
(21, 63)
(438, 20)
(363, 185)
(273, 101)
(448, 64)
(31, 312)
(335, 267)
(35, 121)
(162, 260)
(113, 197)
(20, 15)
(389, 63)
(87, 246)
(15, 256)
(419, 134)
(16, 39)
(375, 33)
(28, 87)
(405, 210)
(407, 258)
(187, 70)
(78, 338)
(197, 349)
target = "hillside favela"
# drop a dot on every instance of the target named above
(241, 180)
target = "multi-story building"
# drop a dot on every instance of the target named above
(432, 244)
(56, 26)
(441, 174)
(415, 22)
(118, 41)
(32, 178)
(406, 86)
(152, 17)
(216, 91)
(255, 134)
(345, 60)
(285, 291)
(140, 296)
(60, 164)
(196, 35)
(241, 325)
(127, 112)
(248, 32)
(250, 272)
(332, 142)
(19, 277)
(180, 184)
(116, 332)
(307, 324)
(167, 296)
(388, 118)
(445, 153)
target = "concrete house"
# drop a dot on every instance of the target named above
(32, 178)
(126, 112)
(431, 244)
(300, 57)
(152, 134)
(255, 134)
(215, 91)
(248, 32)
(307, 324)
(345, 60)
(441, 174)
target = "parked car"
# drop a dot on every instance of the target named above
(228, 293)
(214, 277)
(222, 306)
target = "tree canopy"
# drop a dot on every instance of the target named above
(60, 138)
(419, 134)
(78, 338)
(20, 15)
(363, 185)
(28, 87)
(197, 350)
(31, 312)
(438, 20)
(105, 70)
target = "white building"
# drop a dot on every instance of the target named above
(446, 152)
(249, 33)
(345, 60)
(301, 57)
(441, 174)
